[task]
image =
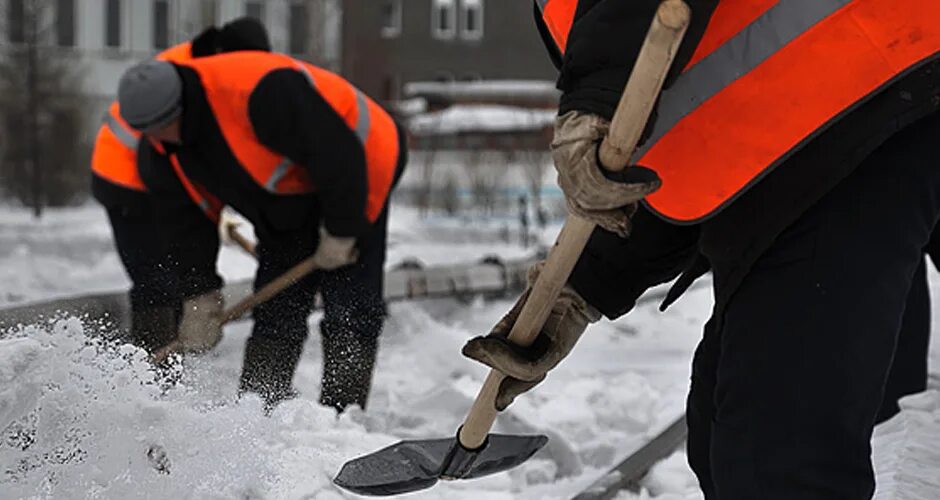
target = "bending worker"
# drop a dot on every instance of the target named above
(794, 153)
(310, 161)
(117, 185)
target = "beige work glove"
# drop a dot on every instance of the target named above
(201, 326)
(525, 367)
(588, 192)
(334, 252)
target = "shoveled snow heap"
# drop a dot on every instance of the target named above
(82, 418)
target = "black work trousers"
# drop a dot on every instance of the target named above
(143, 254)
(808, 354)
(352, 296)
(155, 299)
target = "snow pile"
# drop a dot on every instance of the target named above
(82, 418)
(78, 417)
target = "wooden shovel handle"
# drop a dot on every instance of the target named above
(292, 276)
(633, 111)
(247, 245)
(645, 83)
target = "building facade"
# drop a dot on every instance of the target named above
(387, 44)
(105, 37)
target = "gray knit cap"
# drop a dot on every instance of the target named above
(150, 95)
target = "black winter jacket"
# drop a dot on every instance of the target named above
(611, 274)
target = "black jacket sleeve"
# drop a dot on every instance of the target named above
(190, 238)
(603, 43)
(291, 117)
(613, 272)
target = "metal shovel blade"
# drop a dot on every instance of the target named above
(418, 464)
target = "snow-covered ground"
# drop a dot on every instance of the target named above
(77, 417)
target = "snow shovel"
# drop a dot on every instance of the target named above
(418, 464)
(293, 275)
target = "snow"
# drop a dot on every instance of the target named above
(66, 253)
(907, 448)
(409, 107)
(481, 117)
(81, 418)
(483, 88)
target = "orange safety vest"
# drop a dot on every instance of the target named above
(229, 81)
(114, 157)
(767, 77)
(558, 16)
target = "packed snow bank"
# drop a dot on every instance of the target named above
(71, 252)
(68, 251)
(78, 416)
(82, 418)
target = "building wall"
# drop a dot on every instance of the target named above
(509, 49)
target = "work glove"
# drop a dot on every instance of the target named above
(334, 251)
(606, 200)
(228, 218)
(525, 367)
(201, 326)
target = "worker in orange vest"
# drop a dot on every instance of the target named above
(116, 184)
(310, 161)
(793, 153)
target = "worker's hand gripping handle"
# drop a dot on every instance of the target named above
(633, 111)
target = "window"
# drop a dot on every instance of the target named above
(471, 24)
(65, 23)
(16, 21)
(255, 10)
(443, 18)
(161, 24)
(297, 37)
(391, 18)
(112, 22)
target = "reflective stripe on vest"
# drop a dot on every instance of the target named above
(114, 157)
(361, 129)
(126, 135)
(363, 121)
(793, 68)
(558, 16)
(229, 80)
